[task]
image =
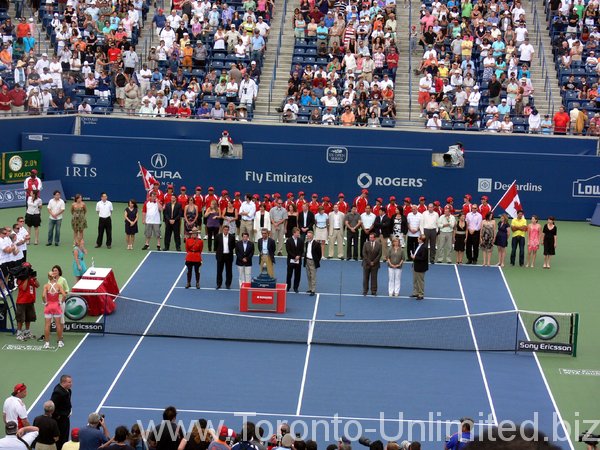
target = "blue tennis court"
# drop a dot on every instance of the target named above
(324, 391)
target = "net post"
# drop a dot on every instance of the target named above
(517, 324)
(575, 333)
(340, 313)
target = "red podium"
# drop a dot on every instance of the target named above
(262, 299)
(101, 282)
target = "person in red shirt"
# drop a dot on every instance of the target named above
(437, 207)
(377, 207)
(223, 201)
(392, 207)
(193, 257)
(327, 206)
(237, 201)
(485, 207)
(301, 201)
(160, 196)
(407, 209)
(167, 197)
(113, 53)
(561, 121)
(183, 198)
(450, 204)
(199, 200)
(267, 202)
(23, 28)
(32, 182)
(184, 111)
(313, 205)
(391, 60)
(422, 207)
(171, 109)
(466, 207)
(4, 101)
(342, 205)
(290, 200)
(362, 201)
(256, 199)
(18, 97)
(210, 197)
(26, 305)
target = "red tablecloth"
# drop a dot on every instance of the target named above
(101, 282)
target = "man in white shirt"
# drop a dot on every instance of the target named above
(247, 212)
(14, 409)
(56, 208)
(336, 231)
(151, 213)
(526, 52)
(104, 208)
(22, 237)
(367, 220)
(429, 228)
(15, 437)
(413, 220)
(248, 90)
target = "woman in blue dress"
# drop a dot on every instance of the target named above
(79, 266)
(501, 240)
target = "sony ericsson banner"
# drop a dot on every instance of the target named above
(547, 331)
(93, 164)
(12, 195)
(81, 327)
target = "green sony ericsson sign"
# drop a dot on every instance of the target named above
(16, 166)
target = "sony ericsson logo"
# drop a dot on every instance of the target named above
(158, 161)
(587, 187)
(366, 180)
(545, 327)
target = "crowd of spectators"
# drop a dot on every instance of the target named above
(344, 65)
(197, 68)
(575, 40)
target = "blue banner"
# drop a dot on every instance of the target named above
(92, 164)
(11, 128)
(12, 195)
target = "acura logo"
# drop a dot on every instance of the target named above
(364, 180)
(158, 161)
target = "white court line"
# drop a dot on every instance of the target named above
(336, 294)
(60, 369)
(113, 384)
(485, 382)
(302, 416)
(539, 366)
(306, 360)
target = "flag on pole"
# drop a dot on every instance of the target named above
(149, 180)
(510, 201)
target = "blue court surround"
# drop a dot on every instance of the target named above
(132, 378)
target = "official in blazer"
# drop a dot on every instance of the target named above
(224, 250)
(244, 251)
(312, 261)
(294, 247)
(420, 265)
(266, 250)
(371, 254)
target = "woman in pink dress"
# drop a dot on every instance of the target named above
(53, 296)
(533, 235)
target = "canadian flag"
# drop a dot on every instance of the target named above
(149, 180)
(510, 201)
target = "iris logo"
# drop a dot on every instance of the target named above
(158, 161)
(545, 327)
(484, 185)
(364, 180)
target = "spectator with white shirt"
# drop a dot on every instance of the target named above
(247, 213)
(56, 208)
(429, 228)
(151, 213)
(104, 208)
(474, 222)
(413, 220)
(18, 438)
(14, 409)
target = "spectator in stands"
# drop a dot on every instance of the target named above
(506, 126)
(493, 124)
(561, 121)
(290, 111)
(434, 123)
(534, 121)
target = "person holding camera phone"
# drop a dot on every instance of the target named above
(27, 284)
(95, 435)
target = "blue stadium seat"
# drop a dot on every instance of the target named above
(519, 129)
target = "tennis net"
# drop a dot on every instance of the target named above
(497, 331)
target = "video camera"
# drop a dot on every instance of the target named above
(23, 272)
(454, 156)
(590, 439)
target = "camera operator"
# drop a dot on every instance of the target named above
(459, 440)
(7, 253)
(95, 435)
(27, 284)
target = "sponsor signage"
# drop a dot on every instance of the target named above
(545, 347)
(337, 155)
(82, 327)
(587, 187)
(16, 166)
(545, 328)
(365, 180)
(12, 195)
(487, 185)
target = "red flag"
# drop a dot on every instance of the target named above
(510, 201)
(149, 180)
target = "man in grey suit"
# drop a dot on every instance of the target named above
(371, 254)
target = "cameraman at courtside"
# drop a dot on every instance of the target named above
(95, 435)
(459, 440)
(27, 284)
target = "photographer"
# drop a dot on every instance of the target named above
(27, 284)
(95, 435)
(459, 440)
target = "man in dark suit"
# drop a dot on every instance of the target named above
(306, 220)
(383, 230)
(224, 248)
(244, 250)
(61, 396)
(420, 265)
(371, 254)
(294, 247)
(266, 252)
(172, 215)
(312, 261)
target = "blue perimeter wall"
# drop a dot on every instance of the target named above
(556, 176)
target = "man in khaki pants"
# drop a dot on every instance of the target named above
(278, 219)
(247, 212)
(336, 231)
(49, 432)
